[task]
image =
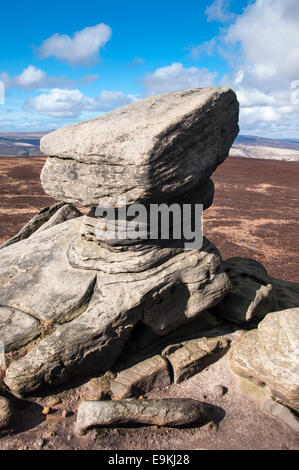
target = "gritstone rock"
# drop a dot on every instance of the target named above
(269, 354)
(171, 412)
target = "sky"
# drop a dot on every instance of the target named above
(70, 60)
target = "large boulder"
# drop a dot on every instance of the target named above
(148, 151)
(82, 318)
(269, 355)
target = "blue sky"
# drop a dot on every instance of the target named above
(66, 61)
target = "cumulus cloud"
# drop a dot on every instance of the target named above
(62, 103)
(176, 77)
(261, 45)
(268, 32)
(219, 11)
(33, 78)
(80, 49)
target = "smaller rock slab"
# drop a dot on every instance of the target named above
(141, 378)
(34, 224)
(252, 295)
(195, 355)
(172, 412)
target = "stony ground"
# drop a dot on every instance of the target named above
(255, 214)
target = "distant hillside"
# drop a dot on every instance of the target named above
(20, 144)
(246, 146)
(263, 148)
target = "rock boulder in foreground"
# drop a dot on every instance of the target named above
(172, 412)
(269, 355)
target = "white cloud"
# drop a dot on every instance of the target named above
(219, 11)
(175, 77)
(33, 78)
(79, 49)
(262, 46)
(268, 32)
(61, 103)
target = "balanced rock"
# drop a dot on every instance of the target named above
(269, 355)
(252, 295)
(69, 299)
(171, 412)
(148, 151)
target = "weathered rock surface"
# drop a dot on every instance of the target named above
(17, 328)
(171, 412)
(141, 378)
(37, 279)
(195, 355)
(69, 303)
(282, 414)
(151, 150)
(163, 292)
(269, 355)
(5, 414)
(252, 295)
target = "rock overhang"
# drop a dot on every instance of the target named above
(148, 151)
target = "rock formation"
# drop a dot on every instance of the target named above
(71, 294)
(77, 291)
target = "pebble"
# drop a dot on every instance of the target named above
(39, 443)
(53, 402)
(46, 410)
(220, 390)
